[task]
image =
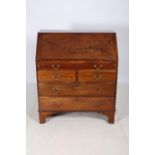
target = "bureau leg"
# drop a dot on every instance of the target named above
(42, 117)
(110, 115)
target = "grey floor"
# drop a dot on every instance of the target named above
(77, 133)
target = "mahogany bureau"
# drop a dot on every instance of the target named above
(76, 72)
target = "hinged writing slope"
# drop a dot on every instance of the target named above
(77, 46)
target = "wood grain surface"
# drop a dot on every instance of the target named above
(76, 72)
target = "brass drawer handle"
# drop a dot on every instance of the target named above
(98, 90)
(95, 66)
(55, 66)
(98, 77)
(56, 76)
(55, 90)
(98, 67)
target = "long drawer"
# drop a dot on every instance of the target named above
(76, 103)
(70, 64)
(77, 89)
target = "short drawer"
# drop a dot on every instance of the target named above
(100, 75)
(77, 89)
(56, 75)
(76, 104)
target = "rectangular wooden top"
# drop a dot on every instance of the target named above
(76, 46)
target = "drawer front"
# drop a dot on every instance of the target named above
(70, 64)
(94, 76)
(76, 104)
(56, 75)
(77, 89)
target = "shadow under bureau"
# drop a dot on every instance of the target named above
(76, 72)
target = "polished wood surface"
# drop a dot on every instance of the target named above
(76, 46)
(80, 64)
(97, 75)
(51, 75)
(76, 103)
(76, 72)
(76, 89)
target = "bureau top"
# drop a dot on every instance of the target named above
(76, 46)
